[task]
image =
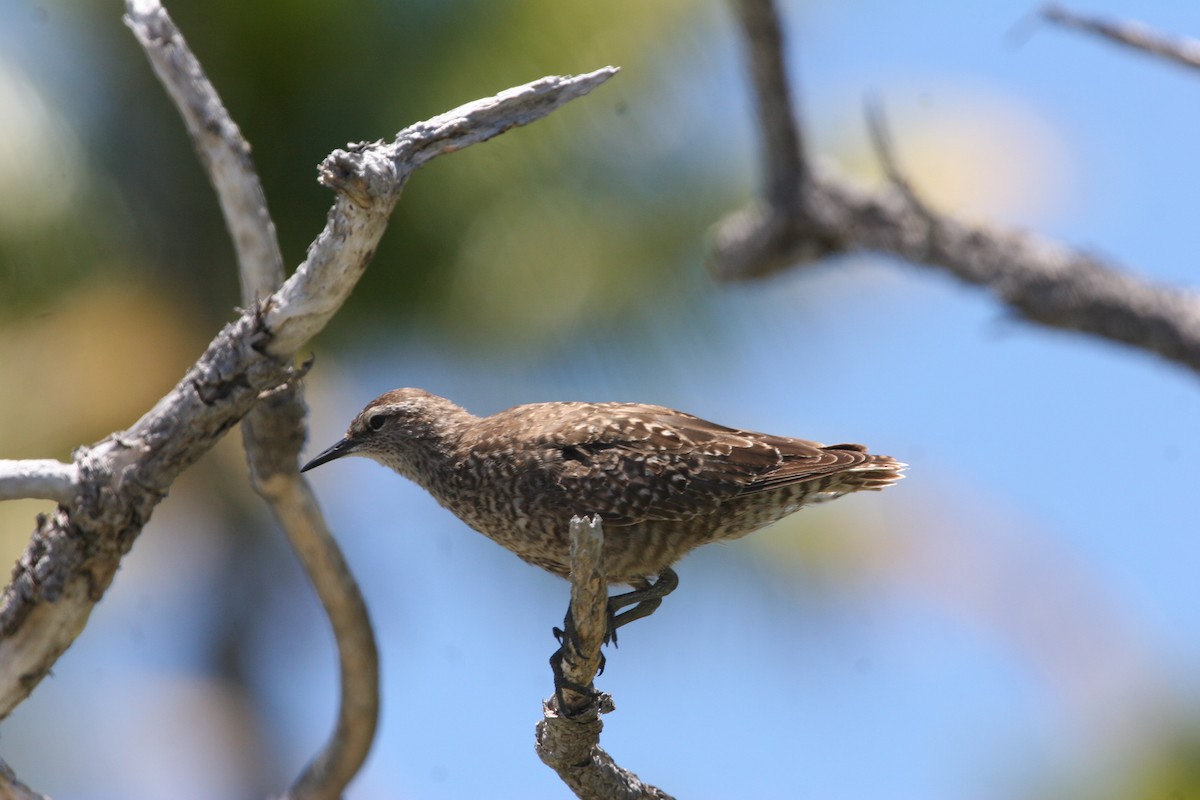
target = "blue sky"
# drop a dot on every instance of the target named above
(1015, 614)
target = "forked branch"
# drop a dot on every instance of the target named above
(274, 430)
(1041, 280)
(110, 490)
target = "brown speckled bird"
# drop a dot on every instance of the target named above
(663, 482)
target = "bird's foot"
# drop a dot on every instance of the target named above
(645, 598)
(562, 683)
(568, 637)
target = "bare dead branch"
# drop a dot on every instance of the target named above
(74, 553)
(12, 789)
(274, 430)
(568, 738)
(1135, 35)
(38, 479)
(784, 161)
(1043, 281)
(587, 620)
(219, 144)
(273, 433)
(368, 178)
(763, 237)
(881, 140)
(358, 659)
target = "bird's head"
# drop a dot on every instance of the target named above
(399, 429)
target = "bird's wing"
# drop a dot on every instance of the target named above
(632, 462)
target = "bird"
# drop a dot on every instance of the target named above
(663, 482)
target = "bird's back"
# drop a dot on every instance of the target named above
(663, 481)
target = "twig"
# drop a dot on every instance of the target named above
(74, 553)
(881, 140)
(38, 479)
(1043, 281)
(1135, 35)
(274, 430)
(568, 739)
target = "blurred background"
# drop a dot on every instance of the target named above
(1018, 619)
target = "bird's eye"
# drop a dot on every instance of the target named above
(375, 421)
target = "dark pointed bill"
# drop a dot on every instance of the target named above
(342, 448)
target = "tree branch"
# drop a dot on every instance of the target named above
(568, 738)
(1042, 281)
(219, 144)
(368, 178)
(770, 233)
(38, 479)
(358, 660)
(1135, 35)
(274, 430)
(587, 621)
(785, 166)
(12, 789)
(74, 553)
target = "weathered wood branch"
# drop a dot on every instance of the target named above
(75, 551)
(568, 737)
(12, 789)
(38, 479)
(1040, 280)
(1134, 35)
(274, 429)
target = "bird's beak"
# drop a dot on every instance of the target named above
(343, 448)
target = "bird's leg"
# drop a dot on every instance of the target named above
(568, 637)
(645, 598)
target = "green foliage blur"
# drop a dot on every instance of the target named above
(116, 267)
(505, 243)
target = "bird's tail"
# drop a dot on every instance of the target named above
(873, 474)
(877, 472)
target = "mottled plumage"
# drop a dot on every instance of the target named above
(663, 481)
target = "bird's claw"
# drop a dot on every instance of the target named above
(561, 683)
